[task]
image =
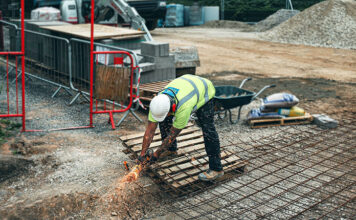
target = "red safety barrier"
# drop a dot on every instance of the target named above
(113, 110)
(12, 102)
(116, 60)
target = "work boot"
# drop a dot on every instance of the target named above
(210, 175)
(168, 155)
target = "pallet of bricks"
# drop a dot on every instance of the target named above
(278, 110)
(180, 174)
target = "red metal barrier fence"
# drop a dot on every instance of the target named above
(14, 111)
(132, 69)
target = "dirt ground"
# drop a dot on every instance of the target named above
(224, 50)
(74, 173)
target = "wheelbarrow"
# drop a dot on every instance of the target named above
(229, 97)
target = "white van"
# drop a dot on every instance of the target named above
(69, 11)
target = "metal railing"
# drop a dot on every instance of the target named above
(79, 77)
(65, 63)
(16, 53)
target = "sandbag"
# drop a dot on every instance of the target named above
(291, 112)
(46, 14)
(279, 100)
(257, 114)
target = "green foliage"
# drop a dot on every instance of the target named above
(250, 10)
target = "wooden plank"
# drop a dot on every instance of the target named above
(193, 179)
(185, 158)
(259, 123)
(141, 134)
(100, 31)
(180, 138)
(134, 36)
(152, 90)
(158, 136)
(183, 144)
(178, 176)
(165, 82)
(188, 165)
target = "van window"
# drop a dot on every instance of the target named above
(71, 7)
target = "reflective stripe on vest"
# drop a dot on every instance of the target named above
(206, 95)
(194, 92)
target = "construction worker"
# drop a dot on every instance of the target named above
(172, 108)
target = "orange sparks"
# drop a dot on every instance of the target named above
(133, 174)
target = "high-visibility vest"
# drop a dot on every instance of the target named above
(192, 93)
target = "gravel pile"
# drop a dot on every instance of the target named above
(266, 24)
(229, 24)
(275, 19)
(328, 24)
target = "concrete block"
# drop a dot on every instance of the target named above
(325, 121)
(158, 75)
(155, 49)
(162, 62)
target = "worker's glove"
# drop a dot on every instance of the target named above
(153, 159)
(140, 159)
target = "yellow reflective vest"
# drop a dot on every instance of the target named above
(192, 93)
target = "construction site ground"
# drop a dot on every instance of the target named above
(76, 174)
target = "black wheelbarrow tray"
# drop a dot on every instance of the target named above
(230, 97)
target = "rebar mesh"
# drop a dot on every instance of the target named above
(299, 172)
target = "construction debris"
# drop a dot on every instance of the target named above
(327, 24)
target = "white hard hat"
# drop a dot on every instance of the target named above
(159, 107)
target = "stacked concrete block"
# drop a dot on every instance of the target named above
(155, 49)
(157, 53)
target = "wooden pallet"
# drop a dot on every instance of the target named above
(149, 90)
(182, 172)
(261, 123)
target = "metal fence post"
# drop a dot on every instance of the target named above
(1, 34)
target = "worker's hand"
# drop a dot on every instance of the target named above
(140, 159)
(153, 159)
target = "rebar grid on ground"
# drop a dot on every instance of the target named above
(299, 172)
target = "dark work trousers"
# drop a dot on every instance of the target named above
(211, 138)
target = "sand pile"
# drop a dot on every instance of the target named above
(328, 24)
(275, 19)
(229, 24)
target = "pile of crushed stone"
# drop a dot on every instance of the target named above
(228, 24)
(275, 19)
(327, 24)
(266, 24)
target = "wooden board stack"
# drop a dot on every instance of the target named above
(149, 90)
(180, 174)
(100, 31)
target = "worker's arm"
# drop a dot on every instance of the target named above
(167, 142)
(148, 137)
